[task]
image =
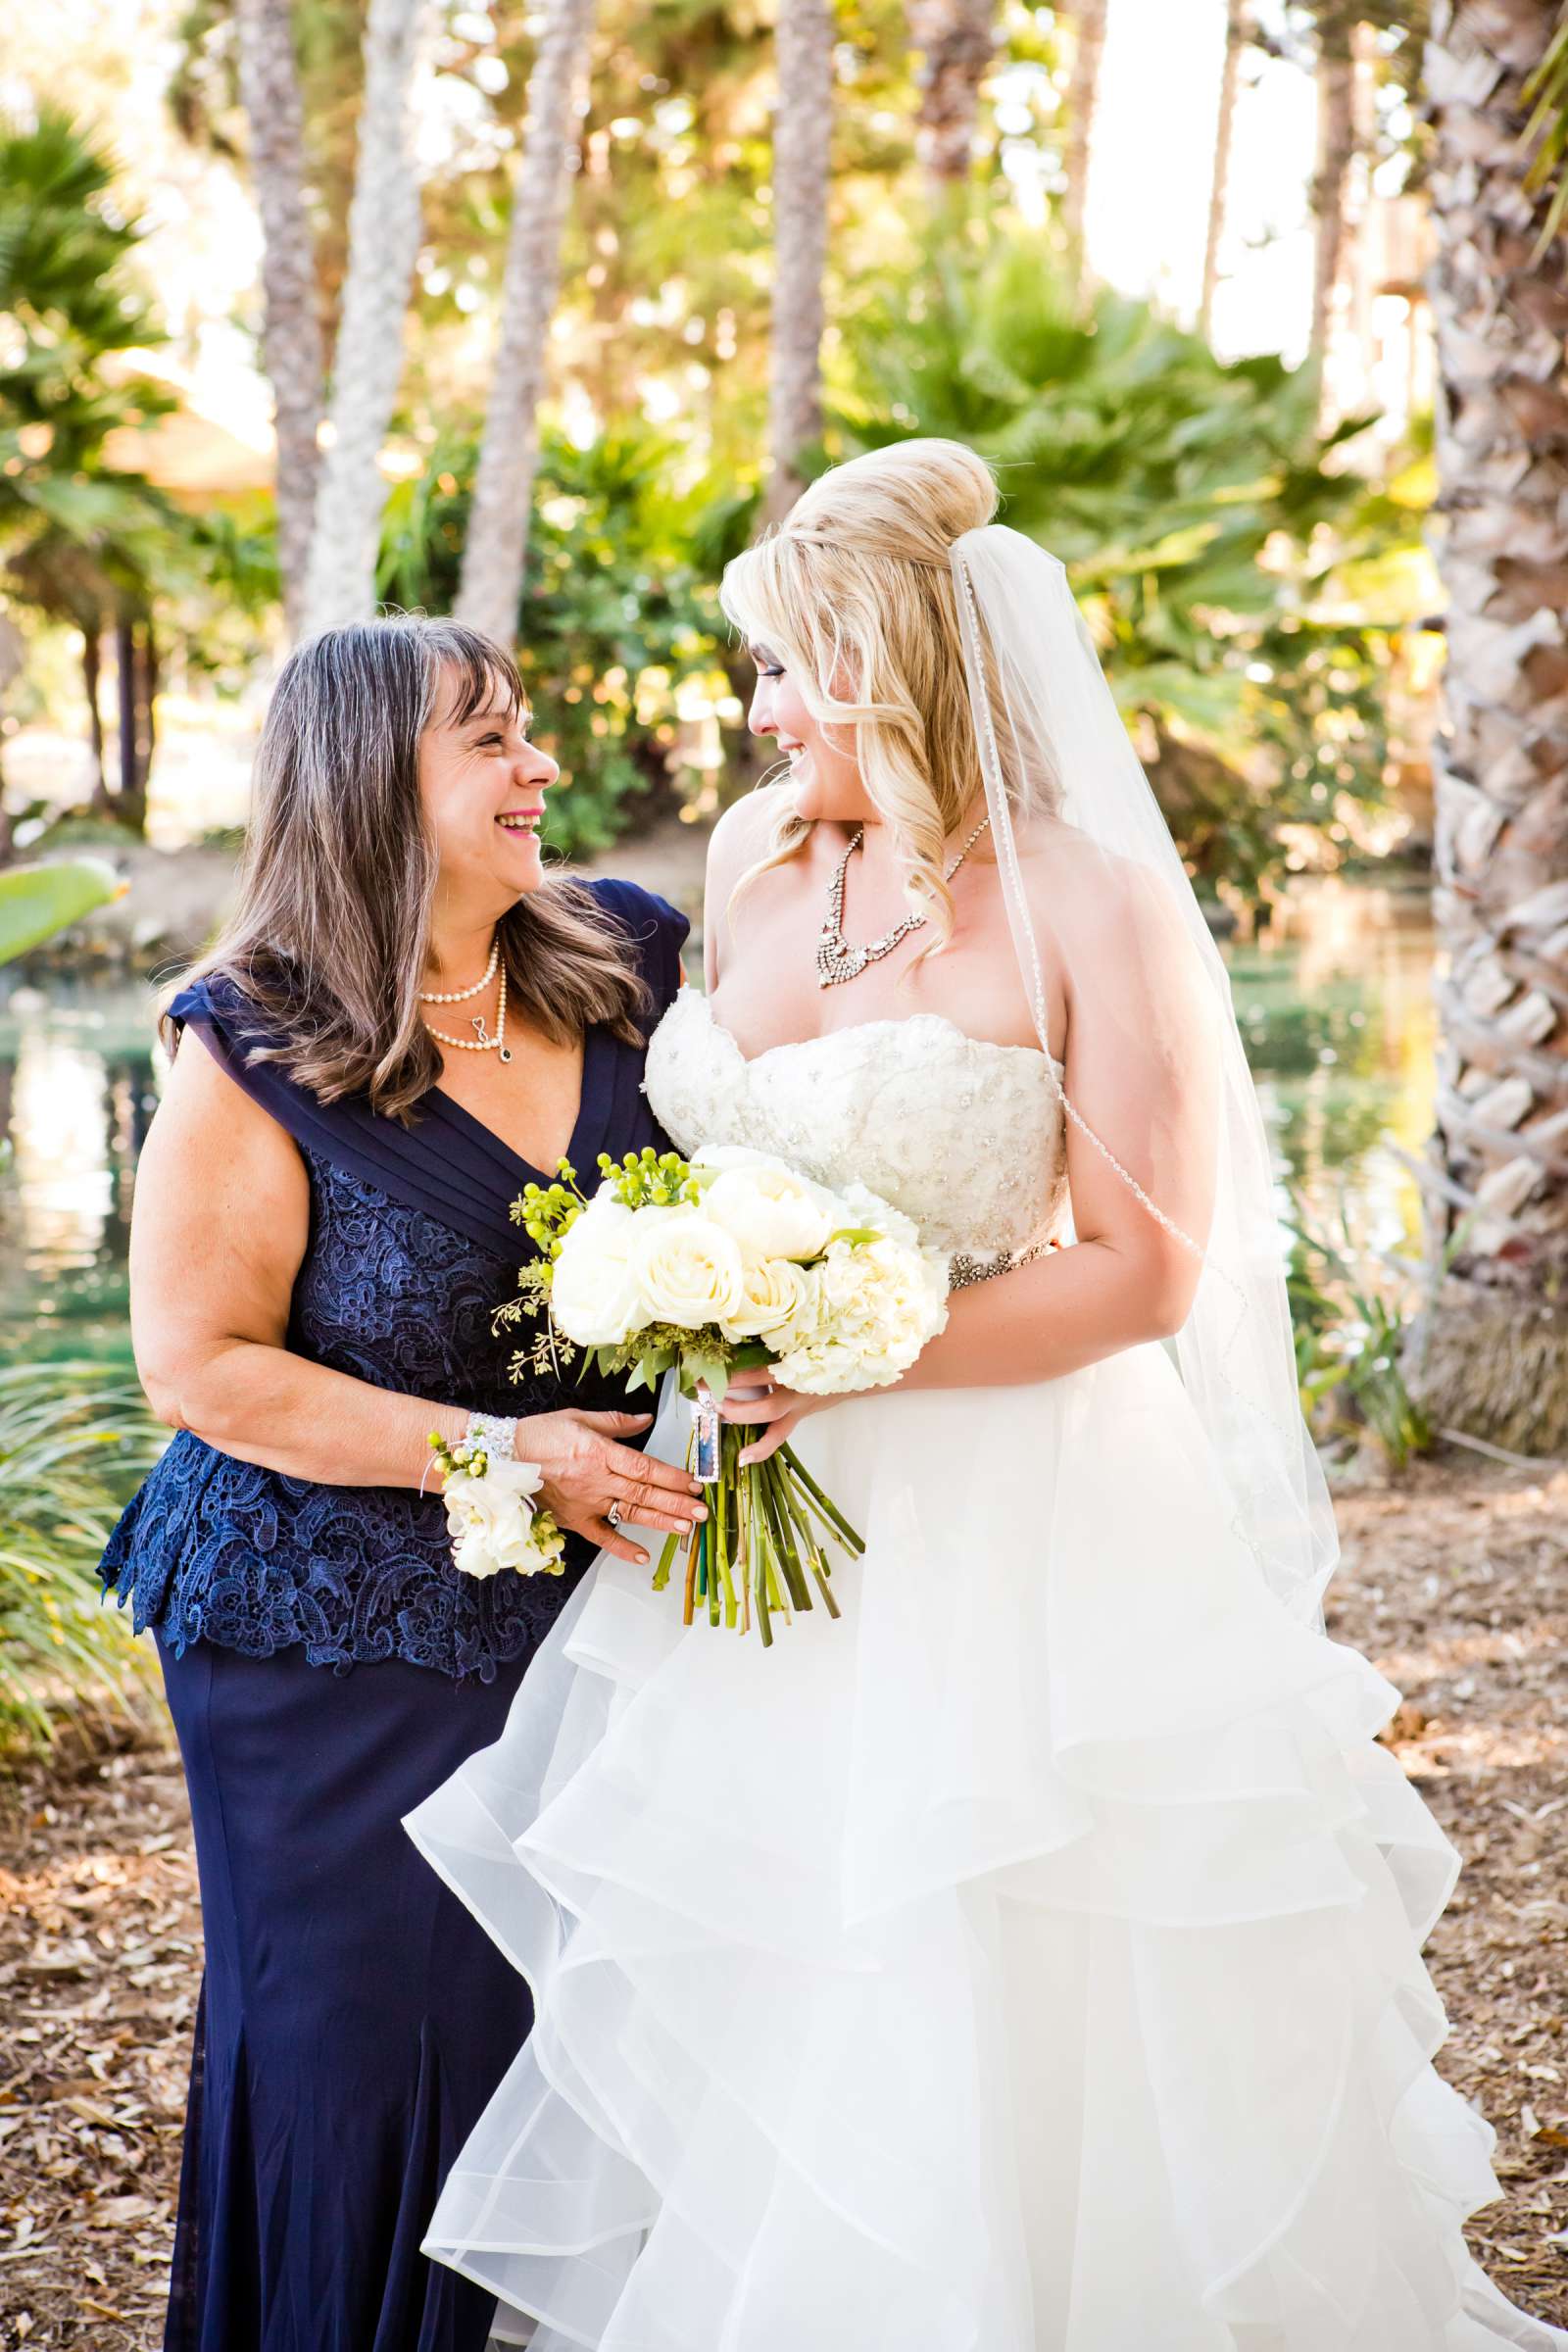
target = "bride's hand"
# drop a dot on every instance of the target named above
(754, 1397)
(586, 1471)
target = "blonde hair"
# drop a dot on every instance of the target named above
(854, 593)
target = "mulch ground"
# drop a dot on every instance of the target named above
(1455, 1583)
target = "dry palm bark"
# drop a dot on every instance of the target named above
(803, 138)
(1336, 152)
(383, 241)
(1238, 29)
(292, 333)
(956, 40)
(1087, 21)
(498, 525)
(1493, 1356)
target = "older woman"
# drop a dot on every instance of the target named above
(403, 1022)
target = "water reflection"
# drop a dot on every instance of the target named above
(77, 1097)
(1335, 1010)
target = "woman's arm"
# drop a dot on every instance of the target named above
(221, 1223)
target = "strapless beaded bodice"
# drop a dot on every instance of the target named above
(964, 1136)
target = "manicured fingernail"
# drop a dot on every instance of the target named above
(641, 1556)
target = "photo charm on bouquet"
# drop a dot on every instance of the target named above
(722, 1263)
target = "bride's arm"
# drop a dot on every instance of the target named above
(1142, 1071)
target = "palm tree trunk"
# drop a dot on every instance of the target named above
(803, 138)
(1492, 1356)
(383, 241)
(126, 695)
(91, 679)
(1237, 27)
(956, 40)
(1335, 151)
(292, 333)
(1087, 19)
(503, 493)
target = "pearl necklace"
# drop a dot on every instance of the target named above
(836, 960)
(459, 996)
(481, 1041)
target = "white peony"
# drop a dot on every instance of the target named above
(869, 1310)
(771, 1210)
(687, 1267)
(491, 1520)
(774, 1291)
(594, 1294)
(862, 1206)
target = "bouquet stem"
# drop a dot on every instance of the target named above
(770, 1522)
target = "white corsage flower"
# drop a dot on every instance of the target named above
(492, 1522)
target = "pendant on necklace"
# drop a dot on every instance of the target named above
(503, 1053)
(476, 1024)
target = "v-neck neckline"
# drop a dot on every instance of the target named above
(590, 1108)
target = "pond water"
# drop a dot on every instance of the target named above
(1335, 1010)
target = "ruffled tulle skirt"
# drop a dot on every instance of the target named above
(1029, 1962)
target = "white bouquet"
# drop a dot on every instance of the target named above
(723, 1262)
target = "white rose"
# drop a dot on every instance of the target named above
(687, 1268)
(769, 1209)
(491, 1521)
(594, 1296)
(775, 1290)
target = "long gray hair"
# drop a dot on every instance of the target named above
(329, 934)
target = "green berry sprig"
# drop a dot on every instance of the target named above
(649, 1179)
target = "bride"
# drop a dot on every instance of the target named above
(1030, 1961)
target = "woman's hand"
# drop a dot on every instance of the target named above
(586, 1470)
(758, 1397)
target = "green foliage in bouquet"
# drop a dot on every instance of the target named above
(768, 1537)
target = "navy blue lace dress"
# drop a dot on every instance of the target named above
(326, 1668)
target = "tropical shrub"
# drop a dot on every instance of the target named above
(619, 628)
(74, 1442)
(1208, 528)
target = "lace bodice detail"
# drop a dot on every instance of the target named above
(964, 1136)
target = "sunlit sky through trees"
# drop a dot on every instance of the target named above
(1153, 157)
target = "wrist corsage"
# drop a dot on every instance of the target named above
(490, 1514)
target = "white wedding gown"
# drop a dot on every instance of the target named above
(1029, 1962)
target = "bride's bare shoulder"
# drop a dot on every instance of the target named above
(740, 837)
(1076, 886)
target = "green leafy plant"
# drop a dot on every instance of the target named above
(1208, 527)
(37, 900)
(73, 1444)
(1351, 1314)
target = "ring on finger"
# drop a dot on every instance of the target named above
(613, 1515)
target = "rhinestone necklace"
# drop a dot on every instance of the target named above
(836, 960)
(459, 996)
